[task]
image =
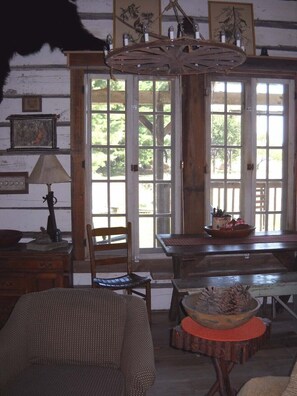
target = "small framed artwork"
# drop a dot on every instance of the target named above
(28, 132)
(235, 20)
(13, 182)
(31, 104)
(138, 14)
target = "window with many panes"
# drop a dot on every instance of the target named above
(251, 151)
(133, 152)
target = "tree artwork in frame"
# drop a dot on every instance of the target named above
(29, 132)
(139, 14)
(235, 21)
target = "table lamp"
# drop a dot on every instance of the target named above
(48, 170)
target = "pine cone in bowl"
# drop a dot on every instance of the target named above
(221, 308)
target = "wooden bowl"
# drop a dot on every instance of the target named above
(218, 321)
(9, 238)
(240, 231)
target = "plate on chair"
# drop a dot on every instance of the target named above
(239, 231)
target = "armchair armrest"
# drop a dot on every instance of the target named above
(137, 358)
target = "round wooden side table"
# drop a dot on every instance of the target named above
(225, 347)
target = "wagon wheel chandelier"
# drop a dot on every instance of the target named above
(188, 53)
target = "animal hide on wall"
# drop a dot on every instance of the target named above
(26, 25)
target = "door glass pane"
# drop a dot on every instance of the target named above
(146, 239)
(99, 198)
(163, 164)
(226, 146)
(145, 129)
(234, 163)
(117, 133)
(155, 130)
(270, 156)
(146, 164)
(108, 160)
(276, 130)
(146, 198)
(99, 164)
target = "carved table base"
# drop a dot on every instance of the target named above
(224, 354)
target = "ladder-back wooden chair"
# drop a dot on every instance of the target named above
(113, 245)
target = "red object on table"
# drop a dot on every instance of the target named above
(225, 347)
(252, 329)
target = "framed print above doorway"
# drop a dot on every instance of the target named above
(235, 20)
(129, 15)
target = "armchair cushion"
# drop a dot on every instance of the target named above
(66, 328)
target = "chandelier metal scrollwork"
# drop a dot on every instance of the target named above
(169, 56)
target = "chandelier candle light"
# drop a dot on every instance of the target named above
(186, 54)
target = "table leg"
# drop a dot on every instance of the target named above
(288, 260)
(222, 384)
(183, 267)
(173, 311)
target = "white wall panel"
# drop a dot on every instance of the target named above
(39, 82)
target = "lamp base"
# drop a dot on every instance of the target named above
(53, 231)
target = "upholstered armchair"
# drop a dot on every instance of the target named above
(77, 342)
(271, 385)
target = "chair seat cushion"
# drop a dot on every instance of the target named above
(66, 380)
(122, 282)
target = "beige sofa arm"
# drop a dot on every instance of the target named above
(13, 356)
(137, 347)
(271, 385)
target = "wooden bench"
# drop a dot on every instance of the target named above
(261, 285)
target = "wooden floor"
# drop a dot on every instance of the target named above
(182, 373)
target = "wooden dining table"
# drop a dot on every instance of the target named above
(184, 247)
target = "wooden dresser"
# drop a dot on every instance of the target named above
(24, 271)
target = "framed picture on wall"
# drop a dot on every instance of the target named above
(129, 15)
(235, 20)
(31, 103)
(33, 131)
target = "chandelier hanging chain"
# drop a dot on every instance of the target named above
(177, 7)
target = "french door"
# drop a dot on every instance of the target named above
(132, 151)
(251, 151)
